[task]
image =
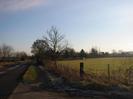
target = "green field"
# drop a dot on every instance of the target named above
(99, 65)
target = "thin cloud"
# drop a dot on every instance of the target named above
(15, 5)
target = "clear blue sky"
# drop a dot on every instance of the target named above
(107, 24)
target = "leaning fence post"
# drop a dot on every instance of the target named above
(108, 72)
(81, 70)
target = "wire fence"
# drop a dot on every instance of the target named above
(106, 75)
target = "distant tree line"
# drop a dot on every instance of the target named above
(53, 46)
(7, 53)
(70, 53)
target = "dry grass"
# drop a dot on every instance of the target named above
(99, 65)
(31, 75)
(97, 73)
(6, 63)
(3, 65)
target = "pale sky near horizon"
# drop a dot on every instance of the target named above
(106, 24)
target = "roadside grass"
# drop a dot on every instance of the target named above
(95, 77)
(90, 81)
(6, 64)
(99, 65)
(3, 64)
(31, 75)
(96, 71)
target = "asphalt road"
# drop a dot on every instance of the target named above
(10, 78)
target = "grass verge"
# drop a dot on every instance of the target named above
(31, 75)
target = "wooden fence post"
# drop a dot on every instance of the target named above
(108, 72)
(81, 70)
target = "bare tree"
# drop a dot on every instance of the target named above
(6, 50)
(56, 42)
(50, 47)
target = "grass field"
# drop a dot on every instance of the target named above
(99, 65)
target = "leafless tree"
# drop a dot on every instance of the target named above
(6, 50)
(56, 42)
(50, 47)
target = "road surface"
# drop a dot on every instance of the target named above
(10, 78)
